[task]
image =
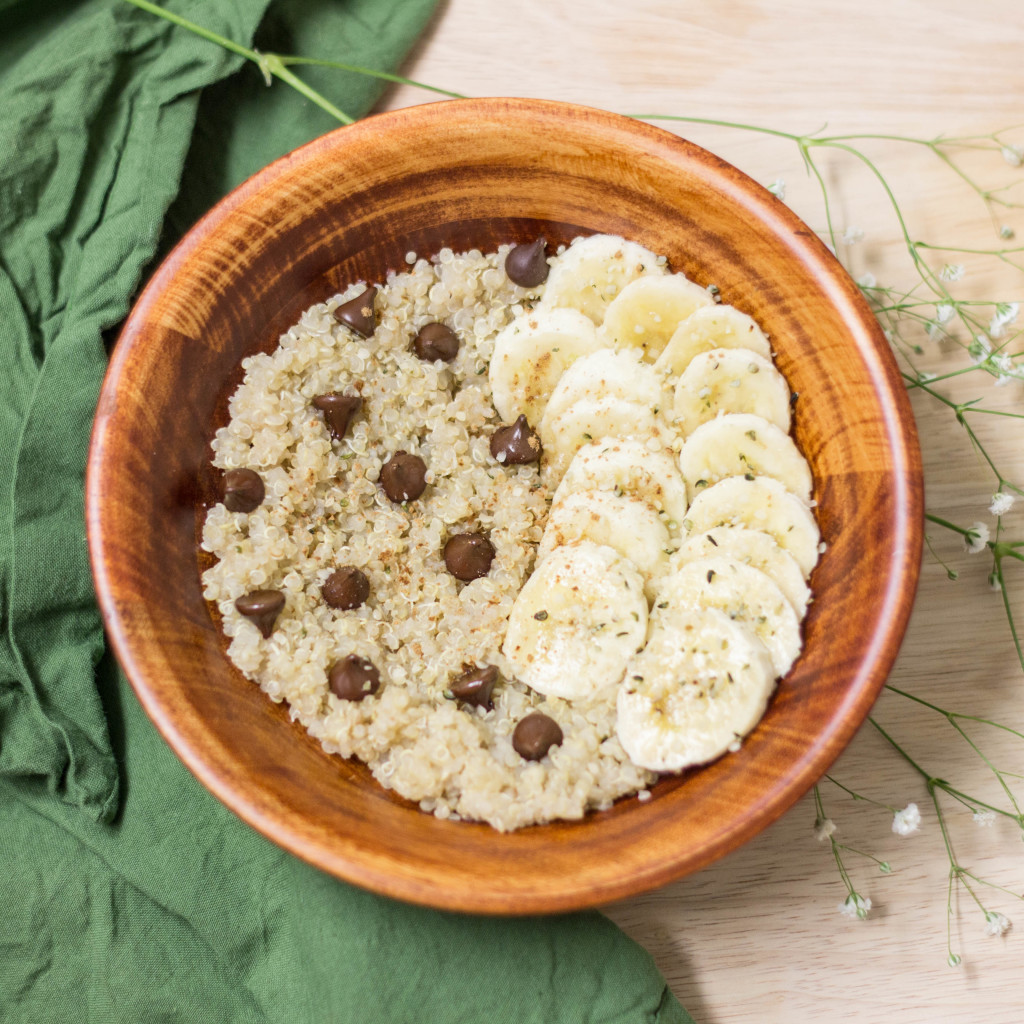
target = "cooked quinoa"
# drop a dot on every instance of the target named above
(324, 509)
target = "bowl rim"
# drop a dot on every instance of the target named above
(865, 684)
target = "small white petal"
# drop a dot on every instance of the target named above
(977, 538)
(996, 924)
(1001, 503)
(906, 821)
(1013, 155)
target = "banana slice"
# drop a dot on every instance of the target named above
(593, 270)
(531, 354)
(760, 504)
(577, 621)
(607, 372)
(741, 444)
(628, 467)
(698, 687)
(726, 380)
(589, 420)
(646, 313)
(711, 327)
(744, 593)
(628, 525)
(751, 547)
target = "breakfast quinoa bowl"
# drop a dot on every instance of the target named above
(378, 525)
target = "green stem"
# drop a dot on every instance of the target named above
(370, 72)
(269, 64)
(952, 714)
(717, 124)
(857, 796)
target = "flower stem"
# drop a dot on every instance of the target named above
(268, 63)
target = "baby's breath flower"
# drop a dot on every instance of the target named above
(976, 539)
(1013, 155)
(980, 348)
(954, 960)
(951, 271)
(1001, 503)
(906, 821)
(1003, 363)
(1005, 314)
(993, 581)
(855, 905)
(778, 188)
(823, 828)
(996, 924)
(852, 235)
(867, 280)
(944, 313)
(1005, 231)
(984, 819)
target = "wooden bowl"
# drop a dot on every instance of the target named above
(467, 174)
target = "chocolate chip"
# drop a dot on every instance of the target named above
(346, 588)
(526, 265)
(353, 678)
(404, 477)
(515, 444)
(436, 341)
(468, 556)
(338, 410)
(535, 735)
(263, 607)
(243, 490)
(475, 686)
(359, 313)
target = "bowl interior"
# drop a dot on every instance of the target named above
(475, 174)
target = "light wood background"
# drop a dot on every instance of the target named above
(757, 937)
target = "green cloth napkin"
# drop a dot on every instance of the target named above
(130, 894)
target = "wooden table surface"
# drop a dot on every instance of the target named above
(757, 937)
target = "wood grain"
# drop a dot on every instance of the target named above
(755, 938)
(477, 173)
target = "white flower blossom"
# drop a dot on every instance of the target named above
(976, 538)
(984, 819)
(778, 188)
(1003, 363)
(954, 960)
(980, 348)
(993, 581)
(1005, 314)
(1005, 231)
(951, 271)
(1013, 155)
(853, 235)
(867, 280)
(996, 924)
(823, 828)
(944, 313)
(1008, 311)
(1001, 503)
(906, 821)
(855, 906)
